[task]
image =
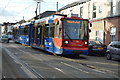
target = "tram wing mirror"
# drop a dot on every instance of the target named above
(89, 30)
(57, 22)
(90, 24)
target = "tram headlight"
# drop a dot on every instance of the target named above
(20, 38)
(85, 42)
(66, 42)
(27, 39)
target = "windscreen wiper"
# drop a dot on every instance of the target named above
(68, 36)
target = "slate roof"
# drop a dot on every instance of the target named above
(46, 14)
(73, 4)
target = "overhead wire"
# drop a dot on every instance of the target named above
(22, 11)
(3, 10)
(7, 3)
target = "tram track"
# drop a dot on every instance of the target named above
(25, 67)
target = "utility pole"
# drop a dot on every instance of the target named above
(23, 17)
(38, 3)
(57, 6)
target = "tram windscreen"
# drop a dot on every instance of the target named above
(75, 29)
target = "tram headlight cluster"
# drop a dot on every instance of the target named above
(27, 39)
(86, 42)
(20, 38)
(66, 42)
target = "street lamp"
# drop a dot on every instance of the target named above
(38, 3)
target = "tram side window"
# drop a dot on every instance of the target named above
(22, 31)
(39, 31)
(26, 30)
(46, 31)
(60, 31)
(57, 31)
(33, 30)
(52, 30)
(15, 32)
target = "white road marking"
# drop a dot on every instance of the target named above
(59, 70)
(98, 71)
(102, 69)
(74, 67)
(83, 70)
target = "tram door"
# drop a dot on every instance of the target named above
(33, 38)
(48, 37)
(38, 35)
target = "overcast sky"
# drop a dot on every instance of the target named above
(14, 10)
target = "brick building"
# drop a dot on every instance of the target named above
(112, 29)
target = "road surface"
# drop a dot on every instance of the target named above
(21, 61)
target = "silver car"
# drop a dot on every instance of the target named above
(113, 50)
(4, 38)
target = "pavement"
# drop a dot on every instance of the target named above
(40, 64)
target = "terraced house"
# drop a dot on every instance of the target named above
(103, 14)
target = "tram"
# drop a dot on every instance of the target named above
(57, 34)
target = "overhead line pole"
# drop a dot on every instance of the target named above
(38, 3)
(57, 6)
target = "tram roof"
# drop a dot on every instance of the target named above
(49, 18)
(25, 23)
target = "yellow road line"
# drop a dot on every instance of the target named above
(81, 61)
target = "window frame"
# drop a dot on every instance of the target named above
(81, 12)
(94, 10)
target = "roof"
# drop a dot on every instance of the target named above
(73, 4)
(112, 16)
(116, 16)
(46, 14)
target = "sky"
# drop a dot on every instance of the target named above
(15, 10)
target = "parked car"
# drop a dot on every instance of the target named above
(97, 48)
(113, 50)
(4, 38)
(10, 37)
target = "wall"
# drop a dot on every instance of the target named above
(97, 26)
(112, 22)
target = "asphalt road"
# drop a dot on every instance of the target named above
(10, 68)
(39, 64)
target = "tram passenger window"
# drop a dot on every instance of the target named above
(22, 31)
(52, 30)
(15, 32)
(33, 30)
(27, 31)
(46, 31)
(39, 31)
